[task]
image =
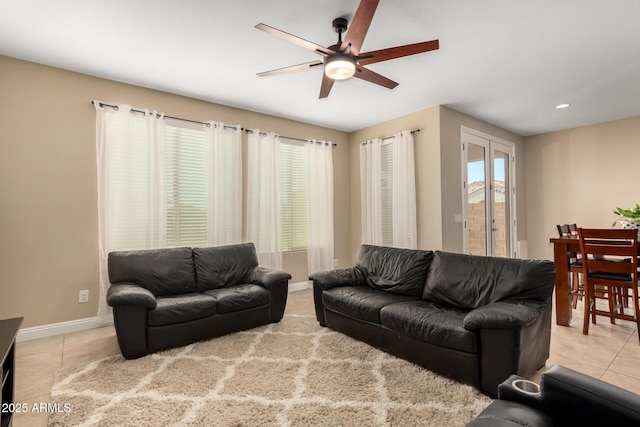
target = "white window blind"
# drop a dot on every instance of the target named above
(386, 192)
(294, 195)
(186, 184)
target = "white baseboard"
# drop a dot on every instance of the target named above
(44, 331)
(300, 286)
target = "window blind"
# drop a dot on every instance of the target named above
(294, 195)
(186, 184)
(386, 192)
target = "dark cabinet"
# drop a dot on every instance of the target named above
(8, 331)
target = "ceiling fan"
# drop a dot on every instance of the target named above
(344, 60)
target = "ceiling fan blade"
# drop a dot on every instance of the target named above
(327, 84)
(372, 77)
(359, 26)
(292, 69)
(397, 52)
(313, 47)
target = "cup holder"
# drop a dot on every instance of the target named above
(526, 386)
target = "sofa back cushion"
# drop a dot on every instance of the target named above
(401, 271)
(224, 266)
(161, 271)
(468, 282)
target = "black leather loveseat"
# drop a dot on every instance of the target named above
(563, 398)
(163, 298)
(474, 319)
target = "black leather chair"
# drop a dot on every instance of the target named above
(563, 398)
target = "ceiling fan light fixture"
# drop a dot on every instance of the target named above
(340, 67)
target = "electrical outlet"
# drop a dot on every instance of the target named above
(335, 262)
(83, 296)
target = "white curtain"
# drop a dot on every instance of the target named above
(264, 197)
(370, 191)
(224, 183)
(403, 193)
(319, 205)
(130, 149)
(388, 192)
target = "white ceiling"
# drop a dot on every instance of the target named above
(508, 62)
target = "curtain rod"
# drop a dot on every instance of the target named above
(412, 132)
(289, 137)
(389, 137)
(115, 107)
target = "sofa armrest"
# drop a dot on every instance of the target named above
(333, 278)
(277, 282)
(130, 294)
(514, 338)
(323, 280)
(267, 277)
(508, 391)
(503, 315)
(571, 397)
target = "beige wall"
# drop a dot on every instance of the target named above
(48, 219)
(427, 159)
(580, 176)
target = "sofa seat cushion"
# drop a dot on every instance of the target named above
(240, 297)
(181, 308)
(361, 303)
(431, 323)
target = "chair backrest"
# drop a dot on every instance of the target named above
(563, 230)
(573, 229)
(611, 251)
(567, 230)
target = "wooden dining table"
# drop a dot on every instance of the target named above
(561, 248)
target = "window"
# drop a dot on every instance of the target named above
(186, 184)
(294, 195)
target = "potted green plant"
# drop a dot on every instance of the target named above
(628, 218)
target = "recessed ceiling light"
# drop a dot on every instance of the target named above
(561, 106)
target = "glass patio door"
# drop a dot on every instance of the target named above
(488, 196)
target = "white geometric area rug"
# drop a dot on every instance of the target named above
(292, 373)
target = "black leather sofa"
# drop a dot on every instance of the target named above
(474, 319)
(563, 398)
(163, 298)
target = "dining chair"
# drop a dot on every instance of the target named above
(575, 264)
(610, 260)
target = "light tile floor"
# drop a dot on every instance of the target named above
(609, 352)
